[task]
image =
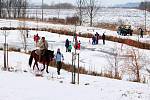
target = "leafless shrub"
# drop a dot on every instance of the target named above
(72, 20)
(133, 64)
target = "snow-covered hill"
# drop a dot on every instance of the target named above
(22, 85)
(92, 57)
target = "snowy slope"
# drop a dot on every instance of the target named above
(25, 86)
(92, 57)
(22, 85)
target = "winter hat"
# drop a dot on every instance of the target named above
(58, 49)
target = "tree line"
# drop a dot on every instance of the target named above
(13, 8)
(145, 5)
(17, 9)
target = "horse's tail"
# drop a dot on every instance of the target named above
(30, 59)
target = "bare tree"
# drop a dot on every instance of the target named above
(8, 5)
(134, 63)
(23, 25)
(80, 10)
(58, 10)
(24, 8)
(15, 8)
(92, 7)
(20, 8)
(23, 35)
(1, 8)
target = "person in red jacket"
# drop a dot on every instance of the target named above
(79, 45)
(36, 39)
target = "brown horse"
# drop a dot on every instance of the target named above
(45, 59)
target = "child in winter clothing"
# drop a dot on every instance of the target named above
(78, 45)
(70, 47)
(36, 39)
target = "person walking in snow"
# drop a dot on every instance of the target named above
(67, 44)
(97, 37)
(141, 32)
(93, 40)
(103, 37)
(36, 39)
(59, 58)
(70, 46)
(79, 45)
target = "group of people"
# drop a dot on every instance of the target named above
(42, 46)
(96, 38)
(77, 44)
(126, 29)
(68, 45)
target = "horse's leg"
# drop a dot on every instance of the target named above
(37, 65)
(47, 67)
(43, 66)
(33, 65)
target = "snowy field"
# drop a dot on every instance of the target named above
(134, 17)
(92, 57)
(72, 28)
(22, 85)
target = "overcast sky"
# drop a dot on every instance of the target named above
(103, 2)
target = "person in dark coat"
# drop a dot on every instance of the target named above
(103, 37)
(27, 35)
(119, 30)
(67, 44)
(141, 32)
(97, 37)
(93, 40)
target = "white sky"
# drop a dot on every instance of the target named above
(106, 2)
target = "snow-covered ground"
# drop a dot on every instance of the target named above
(72, 28)
(134, 17)
(92, 57)
(22, 85)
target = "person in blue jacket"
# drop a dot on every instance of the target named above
(59, 58)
